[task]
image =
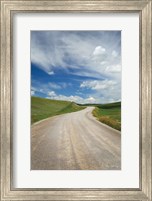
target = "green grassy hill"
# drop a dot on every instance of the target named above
(42, 108)
(109, 114)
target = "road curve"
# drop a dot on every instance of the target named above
(75, 141)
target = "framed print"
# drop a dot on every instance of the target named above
(76, 100)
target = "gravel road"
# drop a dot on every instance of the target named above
(75, 141)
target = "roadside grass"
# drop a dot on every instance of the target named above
(42, 108)
(109, 114)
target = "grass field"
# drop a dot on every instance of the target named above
(109, 114)
(42, 108)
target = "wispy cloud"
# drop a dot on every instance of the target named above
(38, 86)
(98, 85)
(54, 85)
(74, 50)
(113, 68)
(93, 55)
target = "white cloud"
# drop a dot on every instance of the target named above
(61, 85)
(76, 99)
(96, 55)
(54, 85)
(103, 62)
(99, 54)
(99, 50)
(51, 94)
(91, 100)
(49, 87)
(39, 57)
(50, 73)
(97, 85)
(114, 53)
(103, 91)
(71, 50)
(52, 49)
(65, 85)
(114, 68)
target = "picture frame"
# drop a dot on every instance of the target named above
(8, 9)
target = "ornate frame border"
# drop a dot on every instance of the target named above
(144, 8)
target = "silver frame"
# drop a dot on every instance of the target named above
(8, 9)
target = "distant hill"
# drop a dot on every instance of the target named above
(107, 105)
(42, 108)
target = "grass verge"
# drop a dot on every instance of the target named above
(109, 114)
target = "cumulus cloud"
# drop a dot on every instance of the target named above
(51, 94)
(103, 92)
(76, 99)
(99, 50)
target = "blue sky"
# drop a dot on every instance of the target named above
(79, 66)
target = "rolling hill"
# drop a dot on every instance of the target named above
(42, 108)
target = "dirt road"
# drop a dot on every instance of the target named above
(75, 141)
